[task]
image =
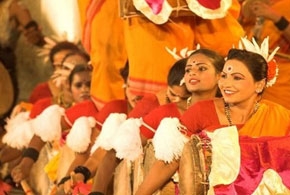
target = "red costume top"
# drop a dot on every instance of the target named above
(153, 118)
(42, 90)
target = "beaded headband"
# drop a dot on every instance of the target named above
(263, 50)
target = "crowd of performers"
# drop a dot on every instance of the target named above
(219, 124)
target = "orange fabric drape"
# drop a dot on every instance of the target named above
(280, 91)
(113, 40)
(257, 126)
(106, 48)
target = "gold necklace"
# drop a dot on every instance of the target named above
(228, 112)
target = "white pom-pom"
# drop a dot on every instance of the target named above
(19, 131)
(168, 141)
(47, 125)
(127, 141)
(109, 128)
(79, 136)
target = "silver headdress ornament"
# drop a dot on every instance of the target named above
(183, 52)
(263, 50)
(58, 76)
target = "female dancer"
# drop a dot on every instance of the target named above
(243, 80)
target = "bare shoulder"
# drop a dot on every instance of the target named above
(219, 104)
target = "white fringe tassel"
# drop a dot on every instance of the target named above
(19, 131)
(127, 141)
(168, 141)
(47, 125)
(109, 128)
(79, 136)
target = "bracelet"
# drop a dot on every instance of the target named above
(31, 24)
(96, 193)
(31, 153)
(63, 180)
(282, 24)
(83, 170)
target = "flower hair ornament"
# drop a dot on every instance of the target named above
(263, 50)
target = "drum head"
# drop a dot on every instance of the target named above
(6, 91)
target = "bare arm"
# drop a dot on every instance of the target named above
(264, 10)
(22, 170)
(27, 25)
(158, 175)
(105, 172)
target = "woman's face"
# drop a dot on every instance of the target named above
(177, 93)
(58, 57)
(200, 75)
(72, 60)
(237, 84)
(131, 97)
(80, 86)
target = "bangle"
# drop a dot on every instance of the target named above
(31, 153)
(83, 170)
(31, 24)
(282, 24)
(63, 180)
(96, 193)
(28, 192)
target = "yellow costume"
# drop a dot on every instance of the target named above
(112, 41)
(280, 91)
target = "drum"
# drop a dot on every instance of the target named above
(142, 167)
(122, 178)
(180, 8)
(6, 91)
(194, 168)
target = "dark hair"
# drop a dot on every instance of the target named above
(217, 60)
(64, 45)
(79, 52)
(124, 72)
(77, 69)
(176, 72)
(256, 64)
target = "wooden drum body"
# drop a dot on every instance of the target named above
(194, 167)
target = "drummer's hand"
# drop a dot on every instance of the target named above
(20, 172)
(261, 9)
(70, 184)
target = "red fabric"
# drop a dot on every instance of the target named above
(39, 106)
(155, 5)
(86, 108)
(258, 155)
(82, 188)
(40, 91)
(92, 9)
(210, 4)
(197, 118)
(116, 106)
(4, 188)
(144, 106)
(154, 118)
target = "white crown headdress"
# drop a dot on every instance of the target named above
(263, 50)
